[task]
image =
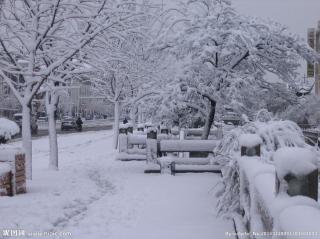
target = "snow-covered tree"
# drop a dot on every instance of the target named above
(51, 102)
(261, 94)
(122, 84)
(54, 87)
(125, 65)
(41, 38)
(171, 106)
(223, 53)
(305, 112)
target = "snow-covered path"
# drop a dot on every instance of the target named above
(93, 196)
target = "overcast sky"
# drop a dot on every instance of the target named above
(298, 15)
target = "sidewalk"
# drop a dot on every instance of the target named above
(93, 196)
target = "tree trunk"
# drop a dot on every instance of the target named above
(27, 139)
(53, 142)
(133, 115)
(209, 120)
(139, 115)
(116, 123)
(51, 102)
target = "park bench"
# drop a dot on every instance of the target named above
(132, 147)
(199, 160)
(133, 144)
(196, 133)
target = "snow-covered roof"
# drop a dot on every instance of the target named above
(298, 161)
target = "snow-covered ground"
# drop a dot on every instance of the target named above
(93, 196)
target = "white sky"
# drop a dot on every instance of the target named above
(298, 15)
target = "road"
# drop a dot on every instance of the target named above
(44, 132)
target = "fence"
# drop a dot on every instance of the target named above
(312, 137)
(279, 200)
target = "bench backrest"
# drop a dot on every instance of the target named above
(134, 139)
(187, 145)
(198, 132)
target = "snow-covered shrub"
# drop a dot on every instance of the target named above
(8, 129)
(273, 134)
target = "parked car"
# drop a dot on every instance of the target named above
(68, 124)
(34, 126)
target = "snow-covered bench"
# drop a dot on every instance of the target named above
(172, 163)
(132, 147)
(197, 133)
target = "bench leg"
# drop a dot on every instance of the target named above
(167, 168)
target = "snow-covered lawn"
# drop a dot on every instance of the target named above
(93, 196)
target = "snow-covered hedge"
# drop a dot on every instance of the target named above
(8, 129)
(273, 135)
